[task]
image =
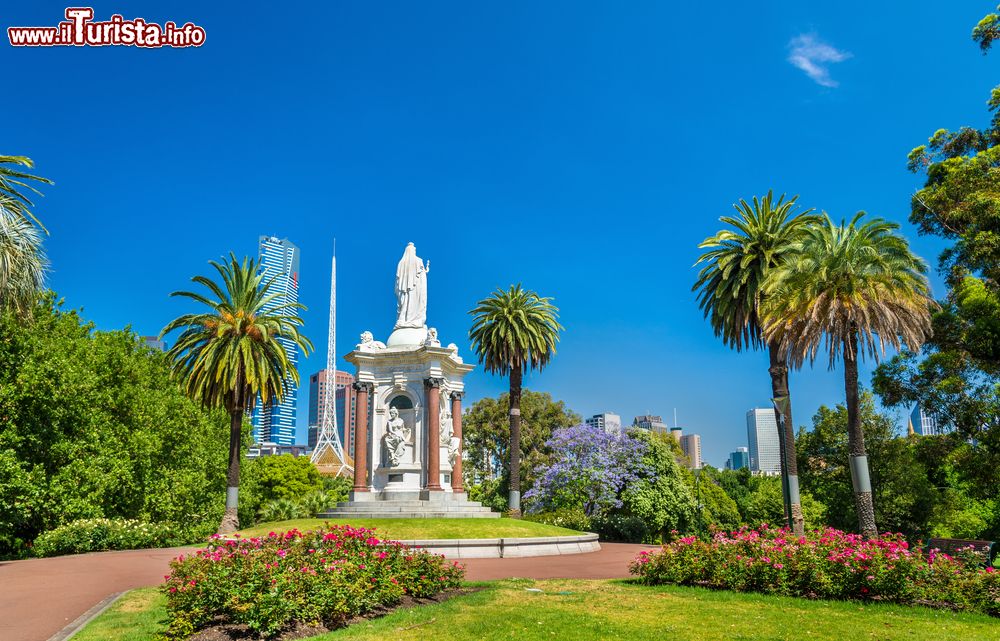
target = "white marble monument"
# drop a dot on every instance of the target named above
(409, 393)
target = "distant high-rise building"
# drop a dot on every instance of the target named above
(691, 445)
(346, 406)
(925, 424)
(154, 342)
(279, 264)
(762, 434)
(650, 422)
(677, 433)
(610, 423)
(739, 459)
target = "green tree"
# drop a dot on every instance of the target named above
(512, 332)
(486, 442)
(15, 186)
(231, 355)
(93, 425)
(661, 497)
(730, 290)
(855, 288)
(288, 477)
(904, 494)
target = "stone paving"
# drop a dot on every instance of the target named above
(38, 597)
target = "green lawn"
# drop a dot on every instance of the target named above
(603, 610)
(410, 529)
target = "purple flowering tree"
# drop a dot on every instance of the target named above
(589, 470)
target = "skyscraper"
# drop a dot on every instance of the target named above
(739, 459)
(610, 423)
(762, 434)
(924, 423)
(279, 263)
(346, 400)
(691, 445)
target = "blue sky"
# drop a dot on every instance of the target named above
(582, 149)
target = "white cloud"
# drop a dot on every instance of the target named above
(812, 55)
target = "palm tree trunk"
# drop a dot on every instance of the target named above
(789, 466)
(231, 520)
(856, 441)
(514, 498)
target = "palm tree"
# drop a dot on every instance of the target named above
(514, 331)
(730, 292)
(232, 354)
(22, 261)
(14, 183)
(855, 288)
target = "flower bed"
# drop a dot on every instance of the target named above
(272, 583)
(826, 564)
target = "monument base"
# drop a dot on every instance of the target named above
(409, 505)
(407, 336)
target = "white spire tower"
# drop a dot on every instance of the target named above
(328, 455)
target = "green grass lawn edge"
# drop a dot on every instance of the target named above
(423, 529)
(591, 610)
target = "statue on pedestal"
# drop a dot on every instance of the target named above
(397, 435)
(411, 289)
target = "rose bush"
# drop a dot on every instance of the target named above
(326, 576)
(826, 564)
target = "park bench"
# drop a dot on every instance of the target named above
(988, 549)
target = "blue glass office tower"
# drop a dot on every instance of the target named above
(279, 260)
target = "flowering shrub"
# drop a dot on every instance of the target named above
(826, 564)
(98, 535)
(270, 583)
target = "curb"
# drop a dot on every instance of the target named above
(78, 623)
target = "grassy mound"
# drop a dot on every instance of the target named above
(598, 610)
(411, 529)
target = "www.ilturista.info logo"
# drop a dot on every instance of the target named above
(80, 30)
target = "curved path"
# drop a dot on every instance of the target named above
(39, 597)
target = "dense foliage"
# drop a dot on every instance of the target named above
(486, 443)
(826, 564)
(270, 584)
(98, 535)
(92, 425)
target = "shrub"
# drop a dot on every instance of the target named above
(826, 564)
(281, 510)
(623, 527)
(572, 518)
(270, 584)
(98, 535)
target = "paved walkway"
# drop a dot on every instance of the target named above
(38, 597)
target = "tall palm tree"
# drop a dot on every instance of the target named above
(515, 331)
(730, 290)
(854, 288)
(23, 263)
(231, 355)
(14, 184)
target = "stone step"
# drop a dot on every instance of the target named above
(412, 503)
(345, 514)
(364, 507)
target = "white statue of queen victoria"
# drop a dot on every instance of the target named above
(411, 290)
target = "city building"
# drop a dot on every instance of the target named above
(279, 264)
(738, 459)
(765, 448)
(650, 422)
(677, 433)
(610, 423)
(154, 342)
(273, 449)
(346, 406)
(691, 445)
(923, 423)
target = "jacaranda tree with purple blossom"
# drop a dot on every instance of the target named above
(589, 470)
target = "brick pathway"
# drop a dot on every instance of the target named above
(38, 597)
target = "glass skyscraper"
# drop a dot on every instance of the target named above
(762, 434)
(279, 260)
